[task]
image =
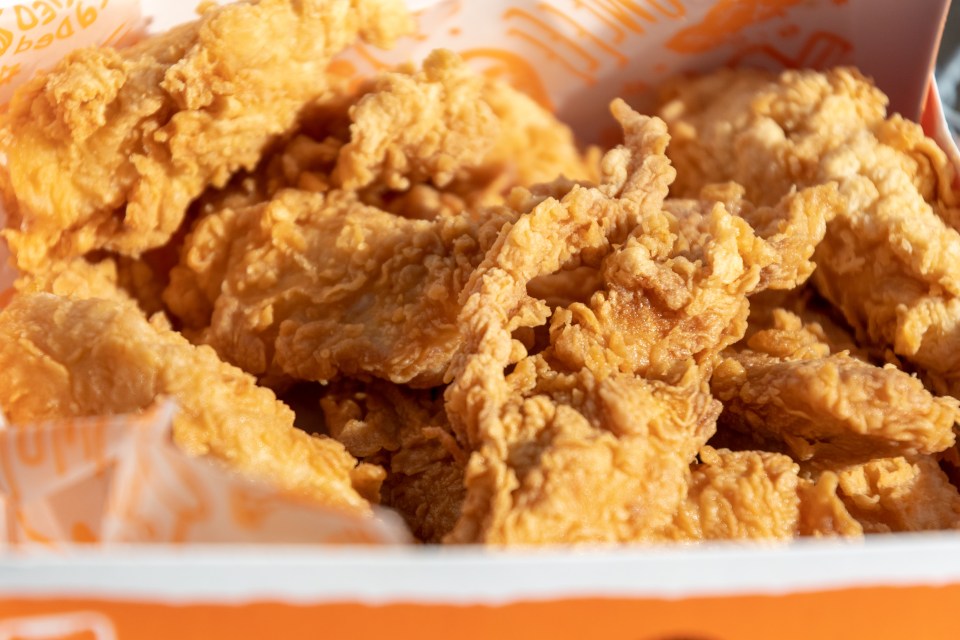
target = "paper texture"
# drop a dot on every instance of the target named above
(36, 34)
(120, 480)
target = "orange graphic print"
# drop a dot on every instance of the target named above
(821, 50)
(632, 15)
(726, 19)
(533, 30)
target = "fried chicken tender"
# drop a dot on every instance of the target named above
(406, 432)
(889, 261)
(419, 144)
(834, 406)
(108, 149)
(739, 495)
(309, 286)
(688, 298)
(570, 455)
(417, 127)
(533, 146)
(65, 357)
(77, 278)
(897, 494)
(820, 323)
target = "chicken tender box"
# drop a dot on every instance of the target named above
(564, 319)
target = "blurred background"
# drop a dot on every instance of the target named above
(948, 68)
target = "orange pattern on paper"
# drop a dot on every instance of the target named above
(725, 19)
(512, 69)
(31, 534)
(621, 59)
(628, 14)
(821, 50)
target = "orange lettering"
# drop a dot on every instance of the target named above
(66, 435)
(673, 9)
(26, 19)
(554, 35)
(48, 13)
(86, 16)
(44, 41)
(25, 44)
(65, 30)
(6, 466)
(621, 59)
(6, 39)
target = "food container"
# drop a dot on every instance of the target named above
(573, 56)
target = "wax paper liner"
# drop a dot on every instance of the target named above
(120, 479)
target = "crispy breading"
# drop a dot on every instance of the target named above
(108, 149)
(407, 433)
(66, 357)
(739, 495)
(414, 127)
(897, 494)
(663, 304)
(889, 261)
(570, 455)
(311, 285)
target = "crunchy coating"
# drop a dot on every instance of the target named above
(576, 456)
(897, 494)
(889, 262)
(417, 127)
(663, 304)
(310, 285)
(739, 495)
(109, 148)
(64, 357)
(408, 434)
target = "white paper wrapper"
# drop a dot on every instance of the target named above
(120, 480)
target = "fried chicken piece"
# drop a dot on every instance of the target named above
(898, 494)
(406, 432)
(788, 387)
(689, 300)
(820, 323)
(419, 127)
(889, 261)
(739, 495)
(77, 278)
(822, 512)
(108, 149)
(65, 357)
(570, 454)
(309, 286)
(419, 144)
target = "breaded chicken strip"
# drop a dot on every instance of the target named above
(785, 385)
(407, 433)
(108, 149)
(890, 262)
(309, 286)
(684, 299)
(896, 494)
(64, 357)
(418, 127)
(739, 495)
(570, 454)
(420, 144)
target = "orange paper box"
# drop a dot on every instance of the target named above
(119, 482)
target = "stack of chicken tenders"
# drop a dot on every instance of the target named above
(742, 322)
